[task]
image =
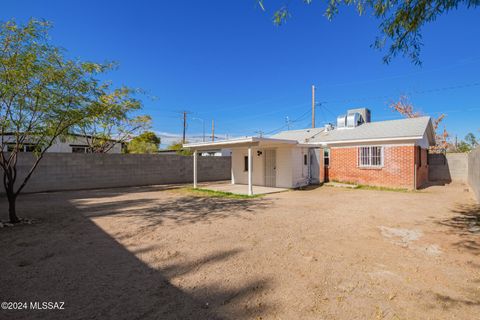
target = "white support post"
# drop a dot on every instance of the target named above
(250, 167)
(195, 169)
(232, 174)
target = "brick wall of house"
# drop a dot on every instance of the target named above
(397, 171)
(421, 157)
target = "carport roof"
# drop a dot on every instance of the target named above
(239, 142)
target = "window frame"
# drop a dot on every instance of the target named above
(245, 163)
(86, 148)
(370, 157)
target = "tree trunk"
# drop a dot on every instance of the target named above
(12, 212)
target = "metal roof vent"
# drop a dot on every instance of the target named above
(341, 121)
(328, 127)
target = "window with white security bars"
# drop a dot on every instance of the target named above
(370, 157)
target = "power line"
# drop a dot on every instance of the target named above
(413, 92)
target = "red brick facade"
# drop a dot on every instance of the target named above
(421, 157)
(398, 170)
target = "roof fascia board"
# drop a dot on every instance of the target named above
(254, 141)
(364, 140)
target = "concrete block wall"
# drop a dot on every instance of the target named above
(70, 171)
(449, 167)
(474, 172)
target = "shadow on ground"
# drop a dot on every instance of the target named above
(180, 209)
(66, 257)
(433, 183)
(466, 224)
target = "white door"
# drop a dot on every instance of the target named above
(314, 165)
(270, 168)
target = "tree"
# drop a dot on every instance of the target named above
(42, 96)
(400, 21)
(147, 142)
(463, 147)
(178, 147)
(405, 108)
(115, 125)
(471, 140)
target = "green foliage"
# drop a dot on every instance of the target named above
(44, 95)
(471, 140)
(400, 21)
(468, 144)
(220, 194)
(147, 142)
(148, 136)
(115, 123)
(463, 147)
(136, 146)
(378, 188)
(178, 147)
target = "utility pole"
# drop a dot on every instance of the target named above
(287, 120)
(213, 130)
(260, 133)
(313, 106)
(184, 125)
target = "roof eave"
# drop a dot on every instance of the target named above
(253, 141)
(409, 138)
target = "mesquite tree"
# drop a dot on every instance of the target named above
(42, 96)
(116, 124)
(401, 21)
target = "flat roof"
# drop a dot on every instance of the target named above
(238, 142)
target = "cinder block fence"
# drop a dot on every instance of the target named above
(73, 171)
(457, 167)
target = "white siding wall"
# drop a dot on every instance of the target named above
(64, 146)
(284, 167)
(424, 142)
(291, 171)
(240, 175)
(300, 170)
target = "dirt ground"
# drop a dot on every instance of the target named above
(324, 253)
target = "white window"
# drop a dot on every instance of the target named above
(80, 149)
(21, 148)
(370, 157)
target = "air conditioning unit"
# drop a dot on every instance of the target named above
(341, 121)
(354, 119)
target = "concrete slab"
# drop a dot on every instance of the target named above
(239, 188)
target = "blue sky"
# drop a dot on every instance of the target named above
(225, 60)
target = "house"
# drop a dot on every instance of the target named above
(203, 153)
(216, 153)
(384, 153)
(74, 143)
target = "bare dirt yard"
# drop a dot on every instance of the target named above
(324, 253)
